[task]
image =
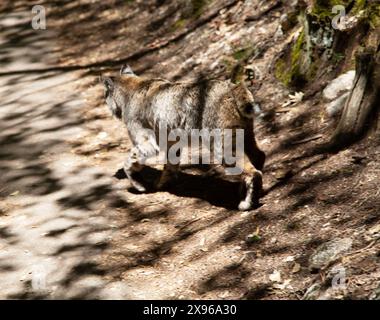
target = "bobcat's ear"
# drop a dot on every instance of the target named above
(126, 70)
(108, 82)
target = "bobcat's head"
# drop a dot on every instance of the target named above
(113, 91)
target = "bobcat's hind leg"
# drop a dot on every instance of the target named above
(252, 181)
(168, 175)
(252, 177)
(170, 172)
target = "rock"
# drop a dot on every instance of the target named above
(313, 292)
(339, 86)
(319, 292)
(373, 233)
(289, 259)
(279, 34)
(375, 295)
(285, 22)
(102, 135)
(328, 252)
(294, 99)
(275, 276)
(252, 238)
(283, 174)
(337, 105)
(296, 268)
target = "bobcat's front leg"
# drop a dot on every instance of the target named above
(132, 165)
(145, 147)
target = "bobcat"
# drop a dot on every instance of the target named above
(143, 104)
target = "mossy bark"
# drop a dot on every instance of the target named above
(364, 97)
(320, 50)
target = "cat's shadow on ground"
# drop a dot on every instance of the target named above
(219, 191)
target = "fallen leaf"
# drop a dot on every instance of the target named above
(289, 259)
(294, 99)
(275, 276)
(296, 268)
(282, 286)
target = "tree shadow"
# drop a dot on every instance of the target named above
(293, 192)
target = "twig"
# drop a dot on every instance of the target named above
(257, 16)
(315, 137)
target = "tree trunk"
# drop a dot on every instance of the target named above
(363, 99)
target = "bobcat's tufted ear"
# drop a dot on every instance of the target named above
(108, 82)
(126, 70)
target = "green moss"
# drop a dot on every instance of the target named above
(229, 64)
(337, 58)
(198, 7)
(359, 6)
(302, 61)
(322, 9)
(297, 48)
(179, 24)
(242, 54)
(238, 59)
(293, 74)
(194, 11)
(282, 73)
(373, 13)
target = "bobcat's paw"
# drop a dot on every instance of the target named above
(138, 186)
(245, 205)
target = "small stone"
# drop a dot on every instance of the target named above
(375, 229)
(275, 276)
(102, 135)
(296, 268)
(252, 238)
(375, 295)
(285, 22)
(289, 259)
(328, 252)
(313, 292)
(337, 105)
(373, 233)
(339, 85)
(283, 174)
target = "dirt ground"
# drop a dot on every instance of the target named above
(70, 226)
